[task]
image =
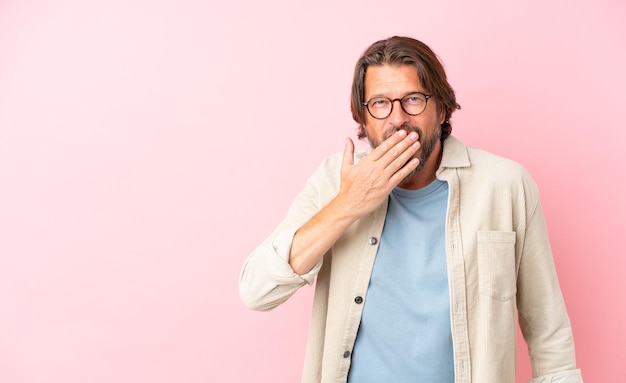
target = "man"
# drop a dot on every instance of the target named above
(423, 248)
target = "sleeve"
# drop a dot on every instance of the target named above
(266, 279)
(543, 317)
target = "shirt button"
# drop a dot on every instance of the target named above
(358, 300)
(346, 354)
(373, 240)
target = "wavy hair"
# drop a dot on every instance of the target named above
(399, 50)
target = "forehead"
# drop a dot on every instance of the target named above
(391, 80)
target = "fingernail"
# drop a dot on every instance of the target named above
(413, 135)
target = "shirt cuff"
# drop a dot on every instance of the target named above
(281, 246)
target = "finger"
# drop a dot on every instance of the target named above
(404, 171)
(388, 144)
(401, 159)
(399, 150)
(403, 146)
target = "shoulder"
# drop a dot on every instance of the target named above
(331, 164)
(484, 161)
(486, 168)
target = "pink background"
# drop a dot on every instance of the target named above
(146, 147)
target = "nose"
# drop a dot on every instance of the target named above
(398, 116)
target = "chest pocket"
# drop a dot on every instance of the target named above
(496, 264)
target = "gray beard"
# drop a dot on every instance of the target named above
(427, 144)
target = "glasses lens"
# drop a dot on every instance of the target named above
(379, 107)
(414, 103)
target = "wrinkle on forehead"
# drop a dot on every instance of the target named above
(392, 81)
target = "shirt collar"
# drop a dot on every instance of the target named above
(454, 155)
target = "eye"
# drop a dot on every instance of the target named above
(379, 103)
(415, 99)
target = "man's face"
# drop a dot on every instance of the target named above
(395, 82)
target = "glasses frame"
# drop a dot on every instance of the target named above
(426, 96)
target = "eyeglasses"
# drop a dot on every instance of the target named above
(412, 104)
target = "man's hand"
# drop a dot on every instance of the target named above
(365, 185)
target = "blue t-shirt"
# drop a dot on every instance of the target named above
(405, 331)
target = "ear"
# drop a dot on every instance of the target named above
(442, 114)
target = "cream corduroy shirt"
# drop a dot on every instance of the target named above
(499, 266)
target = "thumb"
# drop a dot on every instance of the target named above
(348, 153)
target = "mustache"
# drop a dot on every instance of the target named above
(408, 128)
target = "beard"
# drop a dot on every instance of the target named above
(427, 144)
